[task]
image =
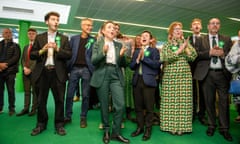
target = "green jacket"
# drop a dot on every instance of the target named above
(99, 61)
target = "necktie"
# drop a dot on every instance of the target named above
(214, 43)
(194, 40)
(28, 55)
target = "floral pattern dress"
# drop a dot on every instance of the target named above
(176, 95)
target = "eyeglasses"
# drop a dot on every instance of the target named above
(89, 25)
(177, 29)
(214, 23)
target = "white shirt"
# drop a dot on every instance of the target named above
(217, 65)
(111, 53)
(50, 58)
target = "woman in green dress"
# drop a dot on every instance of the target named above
(176, 94)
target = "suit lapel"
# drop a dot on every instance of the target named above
(117, 51)
(206, 41)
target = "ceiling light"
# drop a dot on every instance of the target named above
(133, 24)
(235, 19)
(29, 10)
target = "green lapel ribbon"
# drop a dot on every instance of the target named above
(90, 42)
(146, 53)
(174, 48)
(221, 44)
(58, 41)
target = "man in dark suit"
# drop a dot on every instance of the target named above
(146, 65)
(51, 50)
(28, 66)
(9, 58)
(198, 98)
(214, 76)
(80, 67)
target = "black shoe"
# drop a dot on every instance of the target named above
(210, 131)
(11, 112)
(106, 137)
(227, 136)
(83, 123)
(147, 134)
(137, 132)
(23, 112)
(37, 130)
(60, 131)
(120, 138)
(32, 113)
(203, 120)
(67, 120)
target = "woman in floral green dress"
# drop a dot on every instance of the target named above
(176, 94)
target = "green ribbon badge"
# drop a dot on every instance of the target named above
(146, 53)
(221, 44)
(90, 42)
(174, 48)
(58, 41)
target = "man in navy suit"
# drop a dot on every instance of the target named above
(145, 63)
(213, 75)
(51, 51)
(80, 67)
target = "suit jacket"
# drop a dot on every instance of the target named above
(32, 63)
(12, 56)
(99, 61)
(60, 58)
(150, 67)
(74, 44)
(204, 58)
(196, 46)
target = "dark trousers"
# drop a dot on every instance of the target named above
(48, 80)
(198, 99)
(216, 81)
(93, 99)
(9, 79)
(144, 97)
(28, 91)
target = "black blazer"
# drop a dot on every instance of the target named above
(196, 46)
(204, 59)
(60, 57)
(13, 54)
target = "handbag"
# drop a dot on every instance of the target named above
(234, 87)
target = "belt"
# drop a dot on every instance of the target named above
(216, 70)
(110, 64)
(80, 65)
(50, 67)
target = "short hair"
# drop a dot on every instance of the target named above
(32, 29)
(86, 19)
(196, 19)
(117, 24)
(52, 13)
(146, 31)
